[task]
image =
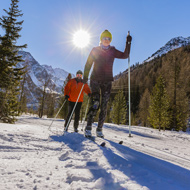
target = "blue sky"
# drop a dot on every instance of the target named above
(49, 26)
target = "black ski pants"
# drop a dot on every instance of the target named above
(100, 96)
(76, 112)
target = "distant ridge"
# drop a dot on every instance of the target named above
(174, 43)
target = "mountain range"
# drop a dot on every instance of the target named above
(36, 77)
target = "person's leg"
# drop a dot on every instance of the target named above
(70, 109)
(94, 104)
(105, 95)
(77, 116)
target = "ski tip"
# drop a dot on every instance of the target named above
(120, 142)
(103, 144)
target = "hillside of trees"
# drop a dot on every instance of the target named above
(174, 69)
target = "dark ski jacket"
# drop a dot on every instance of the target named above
(103, 62)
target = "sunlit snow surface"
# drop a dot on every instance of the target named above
(33, 157)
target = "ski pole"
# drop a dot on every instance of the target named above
(129, 93)
(85, 114)
(57, 114)
(73, 110)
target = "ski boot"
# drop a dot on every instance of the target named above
(76, 130)
(99, 133)
(87, 132)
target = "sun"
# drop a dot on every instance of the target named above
(81, 38)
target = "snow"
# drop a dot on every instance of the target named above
(34, 156)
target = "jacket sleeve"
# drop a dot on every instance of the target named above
(87, 89)
(67, 88)
(125, 54)
(88, 65)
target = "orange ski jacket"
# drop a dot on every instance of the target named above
(73, 88)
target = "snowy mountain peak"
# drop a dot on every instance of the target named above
(174, 43)
(57, 72)
(37, 71)
(36, 76)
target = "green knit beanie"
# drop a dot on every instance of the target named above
(105, 33)
(79, 72)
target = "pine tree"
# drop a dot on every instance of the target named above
(179, 103)
(10, 74)
(64, 111)
(135, 98)
(22, 95)
(50, 105)
(143, 107)
(119, 109)
(108, 116)
(45, 84)
(159, 106)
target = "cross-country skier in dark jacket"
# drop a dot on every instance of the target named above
(101, 78)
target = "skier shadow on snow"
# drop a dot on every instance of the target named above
(107, 181)
(136, 166)
(73, 140)
(76, 142)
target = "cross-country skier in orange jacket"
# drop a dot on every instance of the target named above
(71, 92)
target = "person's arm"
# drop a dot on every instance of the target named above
(125, 54)
(88, 66)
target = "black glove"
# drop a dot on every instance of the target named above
(89, 95)
(66, 97)
(129, 39)
(85, 80)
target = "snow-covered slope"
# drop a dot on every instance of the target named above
(32, 157)
(174, 43)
